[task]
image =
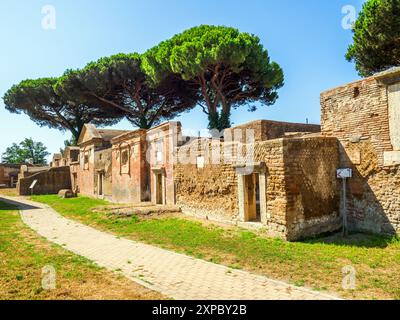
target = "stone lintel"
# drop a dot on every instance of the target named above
(250, 167)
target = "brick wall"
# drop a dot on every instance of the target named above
(103, 166)
(357, 114)
(267, 130)
(50, 181)
(8, 174)
(130, 181)
(301, 190)
(312, 190)
(162, 142)
(3, 179)
(85, 181)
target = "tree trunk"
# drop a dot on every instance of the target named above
(219, 120)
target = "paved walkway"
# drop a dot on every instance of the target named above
(174, 275)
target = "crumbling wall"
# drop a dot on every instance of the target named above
(103, 165)
(358, 115)
(268, 130)
(312, 190)
(129, 181)
(50, 181)
(208, 191)
(162, 142)
(301, 190)
(86, 171)
(3, 178)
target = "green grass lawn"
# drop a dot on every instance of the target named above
(316, 263)
(23, 254)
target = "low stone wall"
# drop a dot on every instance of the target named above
(50, 181)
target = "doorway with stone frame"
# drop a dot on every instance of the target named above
(159, 186)
(252, 179)
(100, 184)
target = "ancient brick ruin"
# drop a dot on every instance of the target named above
(276, 176)
(365, 117)
(8, 175)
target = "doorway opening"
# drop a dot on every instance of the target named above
(100, 184)
(252, 203)
(159, 188)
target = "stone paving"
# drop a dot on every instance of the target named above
(172, 274)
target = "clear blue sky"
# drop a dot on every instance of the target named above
(305, 37)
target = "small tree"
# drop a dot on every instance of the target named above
(228, 68)
(38, 100)
(118, 82)
(376, 40)
(28, 151)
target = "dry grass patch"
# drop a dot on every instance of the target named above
(23, 254)
(9, 192)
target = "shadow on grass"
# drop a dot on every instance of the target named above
(6, 204)
(360, 240)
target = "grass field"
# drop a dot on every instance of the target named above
(23, 254)
(316, 263)
(10, 192)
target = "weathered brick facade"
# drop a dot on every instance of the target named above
(48, 181)
(9, 175)
(92, 175)
(277, 176)
(129, 168)
(359, 115)
(269, 130)
(298, 191)
(142, 165)
(162, 143)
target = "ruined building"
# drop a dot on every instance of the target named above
(276, 176)
(365, 118)
(8, 175)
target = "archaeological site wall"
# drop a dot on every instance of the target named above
(49, 181)
(287, 186)
(129, 168)
(365, 117)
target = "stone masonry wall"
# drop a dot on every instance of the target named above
(313, 201)
(103, 165)
(357, 114)
(3, 178)
(209, 192)
(130, 181)
(301, 189)
(48, 182)
(162, 142)
(268, 130)
(85, 176)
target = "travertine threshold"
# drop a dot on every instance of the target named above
(172, 274)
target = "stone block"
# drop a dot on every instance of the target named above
(66, 194)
